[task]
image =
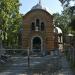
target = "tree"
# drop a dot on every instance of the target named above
(70, 10)
(72, 24)
(62, 21)
(66, 3)
(10, 21)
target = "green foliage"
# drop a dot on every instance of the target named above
(72, 24)
(66, 21)
(62, 21)
(66, 3)
(10, 22)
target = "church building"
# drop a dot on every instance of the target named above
(39, 33)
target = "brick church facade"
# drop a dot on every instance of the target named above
(39, 34)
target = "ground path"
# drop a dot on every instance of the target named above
(47, 65)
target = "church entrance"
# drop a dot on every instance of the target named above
(36, 44)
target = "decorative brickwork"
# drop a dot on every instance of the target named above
(47, 35)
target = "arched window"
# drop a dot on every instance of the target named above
(33, 26)
(42, 26)
(37, 22)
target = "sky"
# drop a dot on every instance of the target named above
(52, 5)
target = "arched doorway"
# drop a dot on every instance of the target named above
(36, 44)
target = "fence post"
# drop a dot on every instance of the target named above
(28, 58)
